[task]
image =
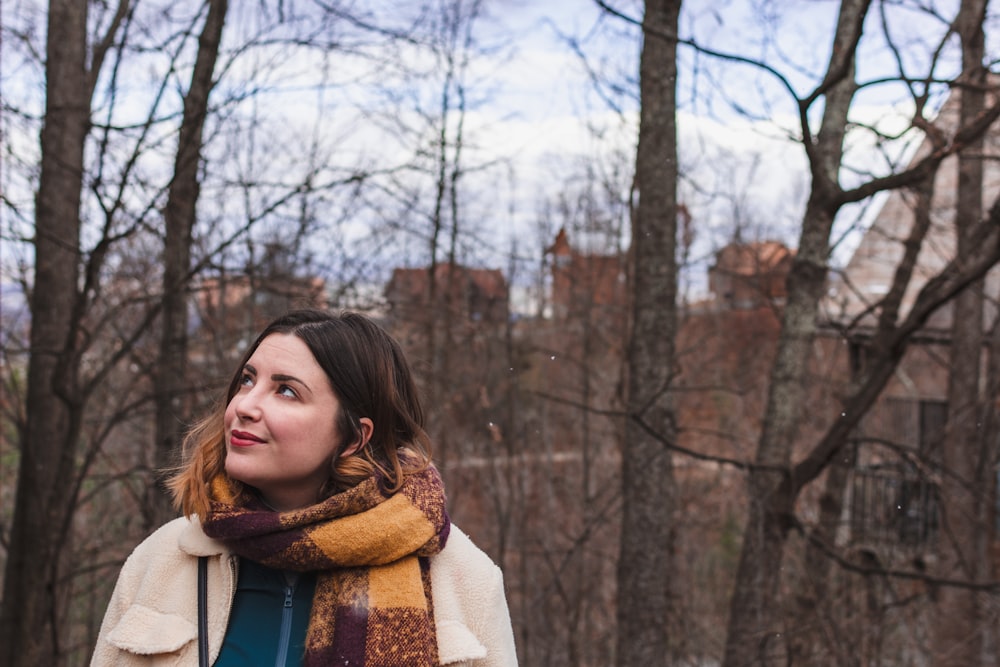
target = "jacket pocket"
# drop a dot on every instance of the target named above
(145, 631)
(457, 643)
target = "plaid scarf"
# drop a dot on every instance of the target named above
(372, 605)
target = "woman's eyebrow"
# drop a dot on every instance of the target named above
(280, 377)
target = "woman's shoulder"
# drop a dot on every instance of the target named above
(462, 567)
(179, 537)
(164, 537)
(167, 555)
(461, 550)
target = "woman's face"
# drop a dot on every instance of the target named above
(281, 433)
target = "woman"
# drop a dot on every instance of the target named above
(312, 495)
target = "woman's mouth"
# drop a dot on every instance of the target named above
(243, 439)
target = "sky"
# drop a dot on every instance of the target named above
(540, 110)
(740, 167)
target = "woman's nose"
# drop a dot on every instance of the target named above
(247, 406)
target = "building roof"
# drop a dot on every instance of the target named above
(412, 283)
(869, 273)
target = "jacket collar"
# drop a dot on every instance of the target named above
(194, 542)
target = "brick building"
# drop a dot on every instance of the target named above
(894, 504)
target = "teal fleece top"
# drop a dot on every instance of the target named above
(269, 619)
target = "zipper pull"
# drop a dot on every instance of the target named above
(289, 591)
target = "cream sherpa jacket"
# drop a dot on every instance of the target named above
(152, 617)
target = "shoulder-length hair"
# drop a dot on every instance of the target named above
(370, 377)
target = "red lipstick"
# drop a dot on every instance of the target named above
(243, 439)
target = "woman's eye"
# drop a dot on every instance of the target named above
(246, 380)
(285, 390)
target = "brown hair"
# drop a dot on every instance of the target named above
(370, 377)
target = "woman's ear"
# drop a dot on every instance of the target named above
(367, 427)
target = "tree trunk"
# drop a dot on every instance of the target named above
(753, 635)
(811, 604)
(806, 640)
(645, 584)
(991, 502)
(179, 219)
(29, 623)
(957, 636)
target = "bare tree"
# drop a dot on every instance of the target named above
(756, 583)
(646, 591)
(433, 199)
(569, 427)
(179, 223)
(754, 635)
(93, 313)
(959, 628)
(789, 456)
(452, 46)
(29, 618)
(534, 405)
